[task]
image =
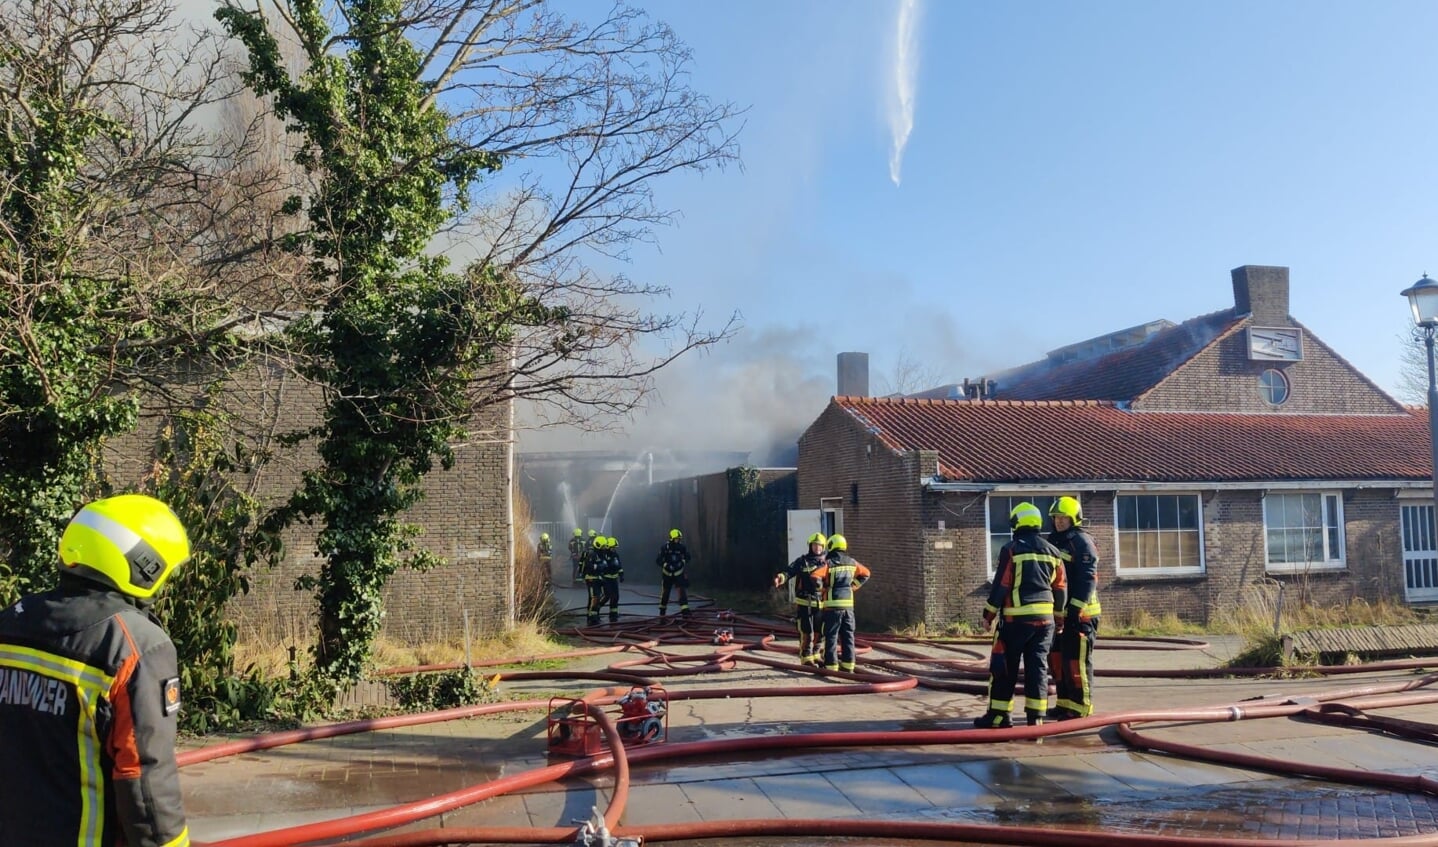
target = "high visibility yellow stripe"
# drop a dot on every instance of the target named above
(839, 604)
(181, 840)
(1046, 608)
(91, 684)
(56, 667)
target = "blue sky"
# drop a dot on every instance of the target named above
(1072, 169)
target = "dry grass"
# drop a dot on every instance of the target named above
(525, 639)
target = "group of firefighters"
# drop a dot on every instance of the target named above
(596, 561)
(825, 579)
(1045, 598)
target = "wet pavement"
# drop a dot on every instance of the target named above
(1084, 780)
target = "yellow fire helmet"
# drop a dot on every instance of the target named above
(131, 543)
(838, 542)
(819, 539)
(675, 535)
(578, 532)
(1026, 516)
(544, 536)
(1069, 508)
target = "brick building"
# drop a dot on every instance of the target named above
(1209, 456)
(465, 518)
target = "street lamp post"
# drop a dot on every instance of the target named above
(1423, 298)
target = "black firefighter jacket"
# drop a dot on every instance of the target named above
(808, 590)
(89, 696)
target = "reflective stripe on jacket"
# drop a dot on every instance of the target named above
(89, 698)
(1080, 570)
(842, 576)
(1029, 581)
(807, 589)
(672, 558)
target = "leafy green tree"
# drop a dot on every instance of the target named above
(401, 108)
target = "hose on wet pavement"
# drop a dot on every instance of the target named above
(1346, 704)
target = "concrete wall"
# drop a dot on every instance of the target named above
(735, 542)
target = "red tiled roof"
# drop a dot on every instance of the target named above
(1121, 375)
(1070, 440)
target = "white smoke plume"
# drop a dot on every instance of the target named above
(905, 84)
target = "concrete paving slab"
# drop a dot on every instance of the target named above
(808, 795)
(1135, 771)
(723, 799)
(876, 791)
(945, 786)
(1075, 775)
(652, 804)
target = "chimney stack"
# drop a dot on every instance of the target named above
(1262, 290)
(854, 374)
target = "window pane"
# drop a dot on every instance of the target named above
(999, 509)
(1335, 547)
(1332, 502)
(1313, 545)
(1187, 512)
(1312, 510)
(1148, 549)
(1292, 511)
(1188, 549)
(1128, 549)
(1277, 552)
(1127, 513)
(1147, 513)
(1168, 549)
(1167, 512)
(1273, 510)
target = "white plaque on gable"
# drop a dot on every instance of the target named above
(1275, 344)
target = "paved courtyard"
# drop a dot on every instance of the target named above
(1086, 779)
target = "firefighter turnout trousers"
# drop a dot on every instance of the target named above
(810, 620)
(1074, 680)
(595, 584)
(839, 633)
(1029, 642)
(611, 596)
(672, 581)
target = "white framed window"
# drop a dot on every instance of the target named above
(1159, 534)
(999, 533)
(831, 515)
(1303, 530)
(1273, 385)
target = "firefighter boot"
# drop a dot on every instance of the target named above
(1034, 718)
(1063, 713)
(993, 720)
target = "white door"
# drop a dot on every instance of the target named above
(1420, 554)
(802, 524)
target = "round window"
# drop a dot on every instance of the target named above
(1273, 385)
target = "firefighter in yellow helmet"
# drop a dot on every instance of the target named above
(673, 558)
(594, 560)
(1074, 644)
(808, 595)
(841, 577)
(90, 691)
(612, 570)
(1028, 585)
